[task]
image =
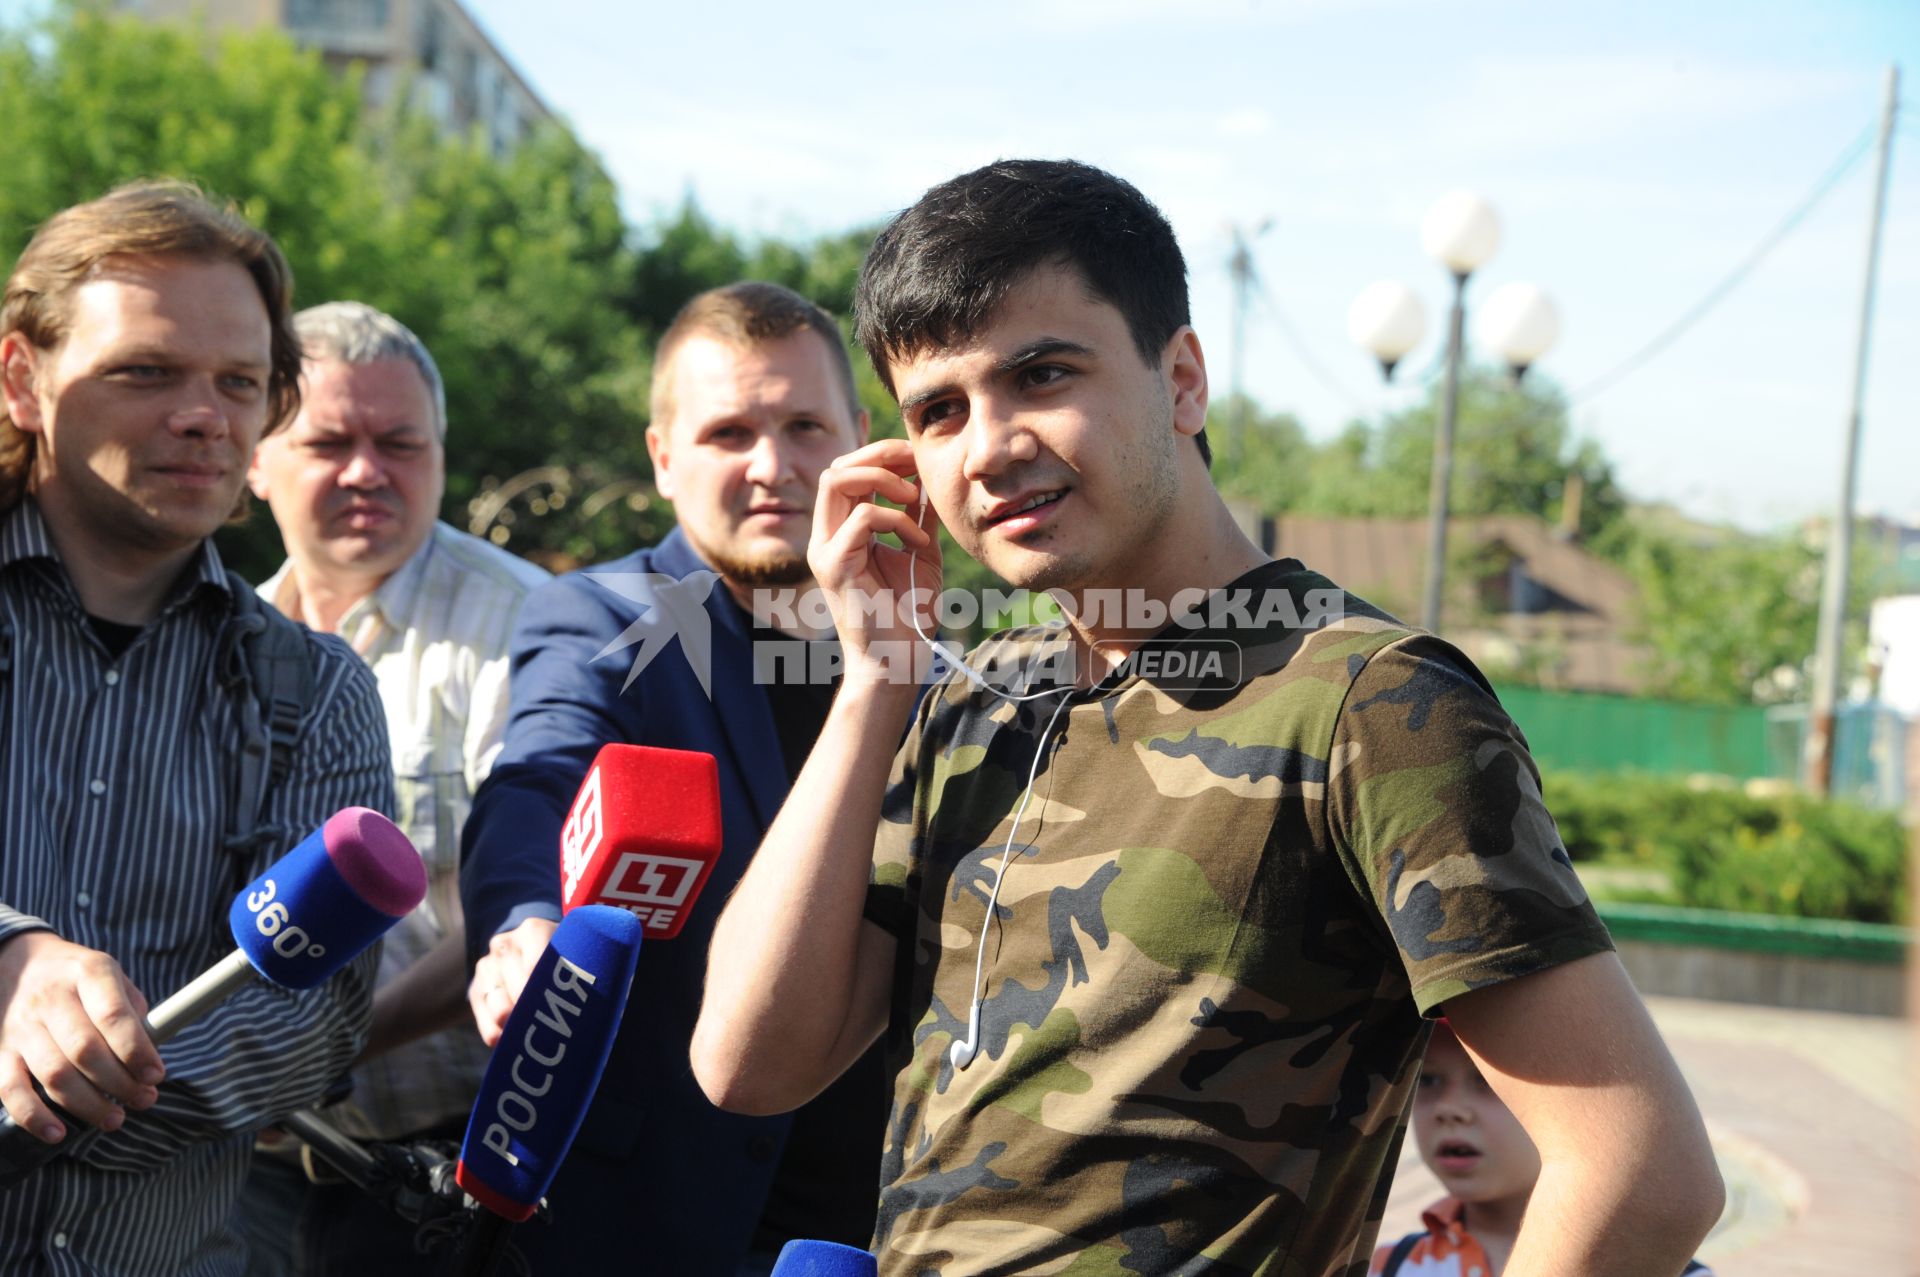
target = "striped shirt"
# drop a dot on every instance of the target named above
(436, 635)
(118, 776)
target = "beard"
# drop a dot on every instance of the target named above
(779, 567)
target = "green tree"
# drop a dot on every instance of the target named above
(518, 290)
(1343, 477)
(679, 256)
(1734, 622)
(686, 253)
(1273, 463)
(511, 269)
(97, 100)
(1514, 452)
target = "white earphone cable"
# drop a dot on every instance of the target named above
(974, 676)
(961, 1053)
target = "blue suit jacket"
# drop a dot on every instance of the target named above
(659, 1181)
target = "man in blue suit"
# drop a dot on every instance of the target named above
(753, 397)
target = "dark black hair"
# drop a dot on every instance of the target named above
(941, 269)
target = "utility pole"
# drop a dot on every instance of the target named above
(1460, 232)
(1240, 269)
(1833, 596)
(1440, 486)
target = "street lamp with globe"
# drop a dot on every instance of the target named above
(1461, 232)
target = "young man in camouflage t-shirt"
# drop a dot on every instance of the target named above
(1186, 1038)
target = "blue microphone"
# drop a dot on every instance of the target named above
(310, 914)
(823, 1259)
(543, 1073)
(330, 897)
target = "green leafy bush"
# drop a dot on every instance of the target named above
(1675, 842)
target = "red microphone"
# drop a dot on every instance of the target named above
(643, 835)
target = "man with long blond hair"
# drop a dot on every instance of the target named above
(144, 350)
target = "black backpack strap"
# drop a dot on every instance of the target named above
(6, 633)
(6, 671)
(1400, 1252)
(266, 667)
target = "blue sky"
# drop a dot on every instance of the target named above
(1636, 153)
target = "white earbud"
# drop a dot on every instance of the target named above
(961, 1054)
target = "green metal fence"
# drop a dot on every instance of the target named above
(1592, 731)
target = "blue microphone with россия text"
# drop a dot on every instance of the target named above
(543, 1073)
(311, 913)
(642, 836)
(640, 839)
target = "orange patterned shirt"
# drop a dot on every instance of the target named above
(1449, 1250)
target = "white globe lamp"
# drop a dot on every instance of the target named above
(1519, 321)
(1387, 320)
(1461, 232)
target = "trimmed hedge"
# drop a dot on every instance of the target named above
(1718, 847)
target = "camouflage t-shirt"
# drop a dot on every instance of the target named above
(1233, 886)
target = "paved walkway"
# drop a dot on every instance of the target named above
(1812, 1116)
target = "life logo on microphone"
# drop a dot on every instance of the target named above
(642, 835)
(581, 836)
(652, 888)
(271, 919)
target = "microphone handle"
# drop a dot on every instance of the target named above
(22, 1153)
(205, 992)
(482, 1246)
(339, 1150)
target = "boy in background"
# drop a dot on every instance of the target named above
(1477, 1148)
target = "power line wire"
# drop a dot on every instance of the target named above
(1300, 349)
(1738, 275)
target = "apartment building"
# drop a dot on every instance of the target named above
(430, 48)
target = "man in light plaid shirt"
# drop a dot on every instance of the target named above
(355, 485)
